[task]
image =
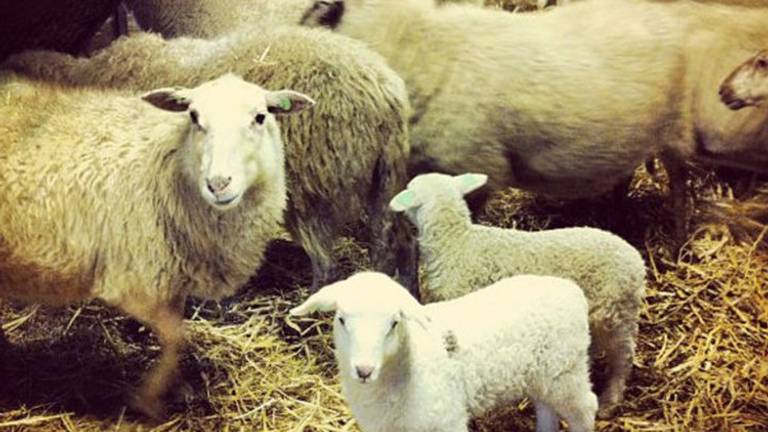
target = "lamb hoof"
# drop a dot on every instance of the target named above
(606, 412)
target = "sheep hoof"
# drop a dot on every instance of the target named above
(606, 412)
(148, 405)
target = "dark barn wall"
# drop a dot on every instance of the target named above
(61, 25)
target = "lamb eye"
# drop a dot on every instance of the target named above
(260, 118)
(762, 63)
(394, 324)
(341, 321)
(195, 117)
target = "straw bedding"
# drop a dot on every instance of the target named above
(702, 362)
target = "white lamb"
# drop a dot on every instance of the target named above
(523, 336)
(460, 257)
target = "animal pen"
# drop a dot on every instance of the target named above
(701, 362)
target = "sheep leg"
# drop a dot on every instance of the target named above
(394, 251)
(571, 398)
(546, 419)
(619, 352)
(168, 324)
(677, 174)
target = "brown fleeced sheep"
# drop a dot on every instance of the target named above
(105, 196)
(747, 85)
(345, 159)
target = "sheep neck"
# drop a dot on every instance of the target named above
(211, 242)
(441, 221)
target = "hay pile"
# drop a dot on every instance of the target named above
(701, 364)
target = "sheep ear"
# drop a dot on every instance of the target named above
(469, 182)
(404, 201)
(322, 301)
(169, 98)
(323, 13)
(417, 313)
(287, 102)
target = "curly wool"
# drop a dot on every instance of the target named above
(523, 336)
(97, 203)
(460, 257)
(345, 158)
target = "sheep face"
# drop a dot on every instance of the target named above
(367, 328)
(425, 189)
(748, 84)
(233, 142)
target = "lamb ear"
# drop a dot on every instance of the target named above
(416, 313)
(469, 182)
(287, 102)
(168, 98)
(404, 201)
(322, 301)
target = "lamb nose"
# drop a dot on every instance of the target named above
(218, 183)
(364, 371)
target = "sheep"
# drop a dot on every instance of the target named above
(344, 162)
(522, 336)
(747, 85)
(62, 25)
(565, 103)
(107, 197)
(459, 257)
(212, 18)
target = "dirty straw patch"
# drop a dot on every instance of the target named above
(701, 364)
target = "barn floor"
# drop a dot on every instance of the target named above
(702, 362)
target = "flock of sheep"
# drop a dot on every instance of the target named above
(162, 165)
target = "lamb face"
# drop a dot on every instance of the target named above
(233, 143)
(425, 190)
(367, 329)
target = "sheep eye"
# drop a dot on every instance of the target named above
(195, 117)
(394, 324)
(260, 118)
(762, 63)
(341, 321)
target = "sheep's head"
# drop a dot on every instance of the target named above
(748, 84)
(426, 189)
(234, 141)
(368, 326)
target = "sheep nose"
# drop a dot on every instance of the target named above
(218, 183)
(364, 372)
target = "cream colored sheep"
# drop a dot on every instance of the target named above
(105, 196)
(747, 85)
(345, 159)
(565, 103)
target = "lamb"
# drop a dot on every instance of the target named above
(460, 257)
(565, 103)
(747, 85)
(107, 197)
(345, 159)
(522, 336)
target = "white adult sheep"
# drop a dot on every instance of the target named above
(522, 336)
(565, 103)
(105, 196)
(460, 257)
(345, 159)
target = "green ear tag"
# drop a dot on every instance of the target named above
(285, 104)
(406, 198)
